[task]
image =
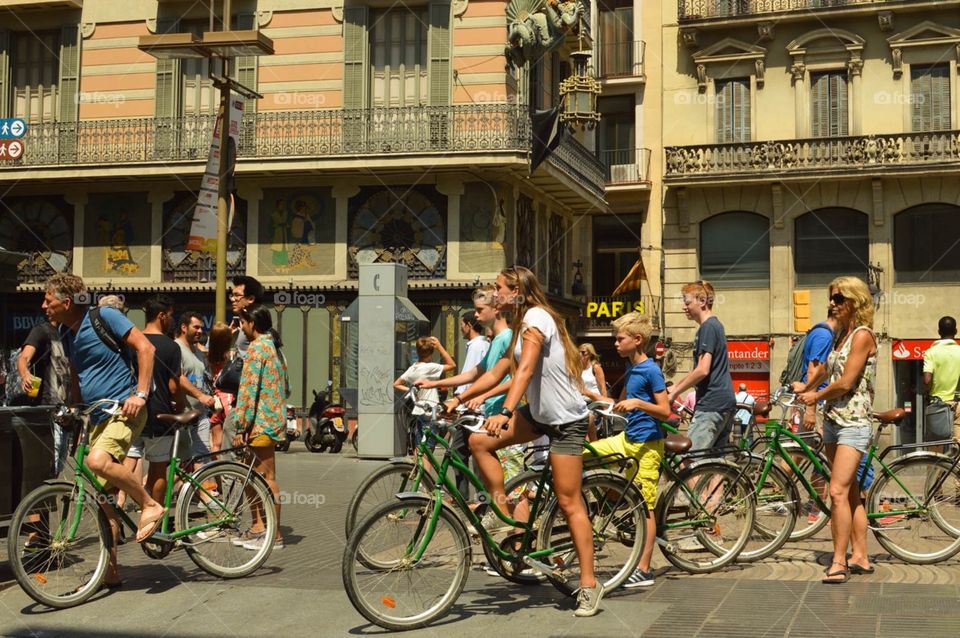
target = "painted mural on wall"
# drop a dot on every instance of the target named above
(181, 265)
(117, 235)
(399, 224)
(41, 227)
(297, 231)
(482, 229)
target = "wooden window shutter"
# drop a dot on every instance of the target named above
(723, 110)
(839, 116)
(355, 53)
(828, 103)
(69, 72)
(930, 97)
(246, 71)
(439, 51)
(4, 72)
(741, 114)
(940, 92)
(168, 78)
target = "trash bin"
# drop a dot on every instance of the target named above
(26, 454)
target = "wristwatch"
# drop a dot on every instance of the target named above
(507, 412)
(140, 394)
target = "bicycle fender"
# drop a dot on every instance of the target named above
(925, 454)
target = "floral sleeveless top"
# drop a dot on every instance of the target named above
(854, 409)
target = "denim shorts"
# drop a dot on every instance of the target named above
(710, 429)
(857, 437)
(565, 438)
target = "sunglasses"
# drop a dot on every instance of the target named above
(837, 299)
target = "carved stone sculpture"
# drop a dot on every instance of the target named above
(536, 26)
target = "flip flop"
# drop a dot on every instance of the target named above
(148, 527)
(860, 570)
(830, 578)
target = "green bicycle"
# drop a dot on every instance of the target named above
(407, 561)
(913, 506)
(59, 538)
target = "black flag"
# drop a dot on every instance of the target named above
(547, 133)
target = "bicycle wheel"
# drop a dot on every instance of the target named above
(705, 517)
(521, 486)
(617, 512)
(244, 500)
(776, 514)
(406, 593)
(921, 494)
(53, 564)
(810, 520)
(381, 486)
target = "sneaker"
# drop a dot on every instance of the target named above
(690, 544)
(588, 601)
(639, 578)
(257, 544)
(213, 534)
(245, 537)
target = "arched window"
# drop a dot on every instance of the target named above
(926, 243)
(830, 242)
(735, 250)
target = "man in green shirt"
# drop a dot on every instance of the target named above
(941, 368)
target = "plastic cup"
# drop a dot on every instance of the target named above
(34, 390)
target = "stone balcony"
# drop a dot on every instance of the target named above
(350, 138)
(783, 160)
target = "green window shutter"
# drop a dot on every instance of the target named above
(355, 55)
(4, 72)
(439, 46)
(828, 103)
(168, 78)
(819, 96)
(69, 72)
(246, 65)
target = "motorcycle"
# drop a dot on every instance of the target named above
(292, 434)
(328, 424)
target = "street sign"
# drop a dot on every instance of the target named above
(661, 349)
(12, 128)
(11, 149)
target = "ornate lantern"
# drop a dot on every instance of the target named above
(579, 93)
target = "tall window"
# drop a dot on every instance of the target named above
(35, 75)
(617, 129)
(398, 50)
(198, 96)
(828, 98)
(925, 243)
(930, 97)
(733, 110)
(616, 241)
(735, 250)
(830, 242)
(616, 37)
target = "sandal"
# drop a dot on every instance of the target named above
(830, 578)
(860, 570)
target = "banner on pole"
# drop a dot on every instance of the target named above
(203, 230)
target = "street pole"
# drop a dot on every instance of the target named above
(223, 206)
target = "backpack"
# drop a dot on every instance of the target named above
(14, 389)
(794, 369)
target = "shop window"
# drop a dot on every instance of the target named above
(830, 242)
(735, 250)
(616, 243)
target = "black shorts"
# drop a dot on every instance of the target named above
(565, 438)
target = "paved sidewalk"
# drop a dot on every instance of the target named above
(299, 592)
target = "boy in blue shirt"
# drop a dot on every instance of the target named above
(644, 399)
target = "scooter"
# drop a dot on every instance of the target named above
(328, 424)
(292, 434)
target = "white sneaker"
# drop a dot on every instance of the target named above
(588, 601)
(246, 537)
(257, 544)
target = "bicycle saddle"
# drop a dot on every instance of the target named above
(677, 443)
(761, 408)
(890, 416)
(184, 418)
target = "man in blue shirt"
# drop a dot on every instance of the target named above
(98, 372)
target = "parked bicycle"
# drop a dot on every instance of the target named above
(59, 538)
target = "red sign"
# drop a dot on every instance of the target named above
(661, 349)
(748, 350)
(11, 149)
(910, 349)
(749, 363)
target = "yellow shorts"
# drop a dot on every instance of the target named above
(262, 441)
(116, 434)
(648, 456)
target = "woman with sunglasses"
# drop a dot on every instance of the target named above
(546, 368)
(847, 409)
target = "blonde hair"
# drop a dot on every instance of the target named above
(486, 295)
(855, 289)
(591, 351)
(530, 295)
(636, 325)
(702, 290)
(425, 347)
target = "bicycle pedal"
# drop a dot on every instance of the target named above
(545, 570)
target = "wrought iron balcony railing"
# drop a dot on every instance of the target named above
(621, 59)
(469, 128)
(813, 156)
(626, 166)
(693, 10)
